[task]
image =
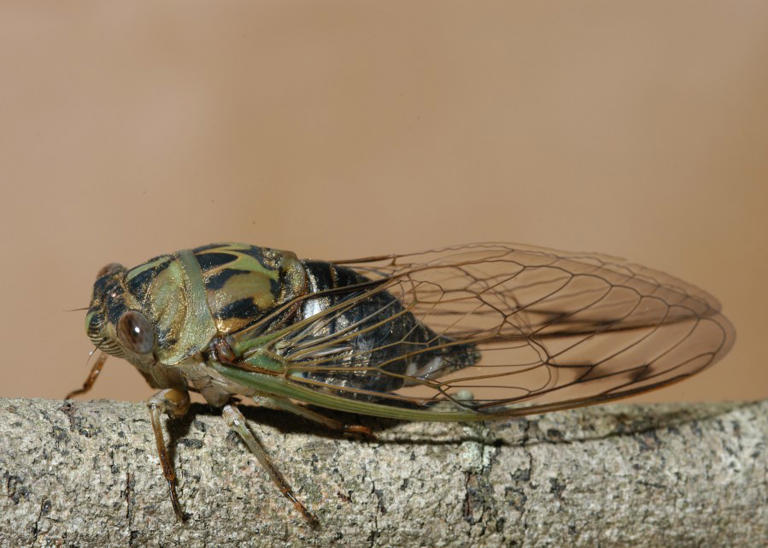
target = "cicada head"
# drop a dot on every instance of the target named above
(116, 321)
(152, 313)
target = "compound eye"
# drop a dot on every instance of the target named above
(136, 332)
(109, 269)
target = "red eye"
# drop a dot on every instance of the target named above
(136, 332)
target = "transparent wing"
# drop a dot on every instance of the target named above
(554, 329)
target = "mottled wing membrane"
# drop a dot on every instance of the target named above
(555, 329)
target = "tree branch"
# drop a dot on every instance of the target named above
(86, 473)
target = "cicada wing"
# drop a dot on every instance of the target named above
(553, 330)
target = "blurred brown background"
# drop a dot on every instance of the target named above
(341, 129)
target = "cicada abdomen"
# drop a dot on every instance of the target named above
(377, 345)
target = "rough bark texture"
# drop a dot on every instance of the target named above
(86, 473)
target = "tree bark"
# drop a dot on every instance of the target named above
(87, 473)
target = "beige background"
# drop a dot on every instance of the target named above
(350, 128)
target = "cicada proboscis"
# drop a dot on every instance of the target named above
(466, 333)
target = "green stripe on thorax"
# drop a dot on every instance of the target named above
(198, 327)
(252, 283)
(244, 261)
(180, 310)
(135, 271)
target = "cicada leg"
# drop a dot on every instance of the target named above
(92, 376)
(331, 424)
(236, 421)
(176, 403)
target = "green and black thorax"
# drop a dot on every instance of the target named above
(169, 310)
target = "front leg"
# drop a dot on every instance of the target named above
(98, 365)
(176, 404)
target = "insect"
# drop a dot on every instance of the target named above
(465, 333)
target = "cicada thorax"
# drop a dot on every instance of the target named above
(194, 296)
(245, 283)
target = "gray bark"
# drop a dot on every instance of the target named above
(86, 473)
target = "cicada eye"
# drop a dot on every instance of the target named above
(136, 332)
(111, 268)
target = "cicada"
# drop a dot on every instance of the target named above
(465, 333)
